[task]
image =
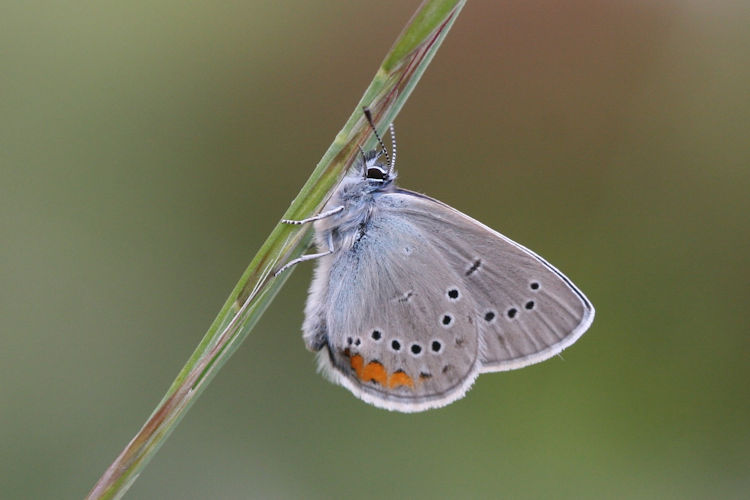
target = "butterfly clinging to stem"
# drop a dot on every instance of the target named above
(411, 299)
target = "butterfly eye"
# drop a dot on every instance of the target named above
(376, 173)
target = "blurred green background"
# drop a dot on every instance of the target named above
(148, 148)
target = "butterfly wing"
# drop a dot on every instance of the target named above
(384, 330)
(526, 310)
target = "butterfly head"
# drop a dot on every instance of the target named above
(374, 170)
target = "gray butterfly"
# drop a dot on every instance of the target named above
(412, 299)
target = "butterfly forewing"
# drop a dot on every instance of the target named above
(526, 310)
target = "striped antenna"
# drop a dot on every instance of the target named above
(393, 148)
(372, 125)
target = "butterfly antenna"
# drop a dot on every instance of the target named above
(372, 126)
(393, 148)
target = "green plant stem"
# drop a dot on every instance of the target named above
(395, 79)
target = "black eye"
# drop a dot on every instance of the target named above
(376, 174)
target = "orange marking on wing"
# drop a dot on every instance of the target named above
(374, 371)
(357, 362)
(400, 378)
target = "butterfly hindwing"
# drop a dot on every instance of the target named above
(397, 335)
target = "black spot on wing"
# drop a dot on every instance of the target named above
(474, 267)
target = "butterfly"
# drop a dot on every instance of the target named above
(411, 299)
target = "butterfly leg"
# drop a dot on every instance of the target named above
(307, 257)
(321, 215)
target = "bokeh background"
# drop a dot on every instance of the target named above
(148, 148)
